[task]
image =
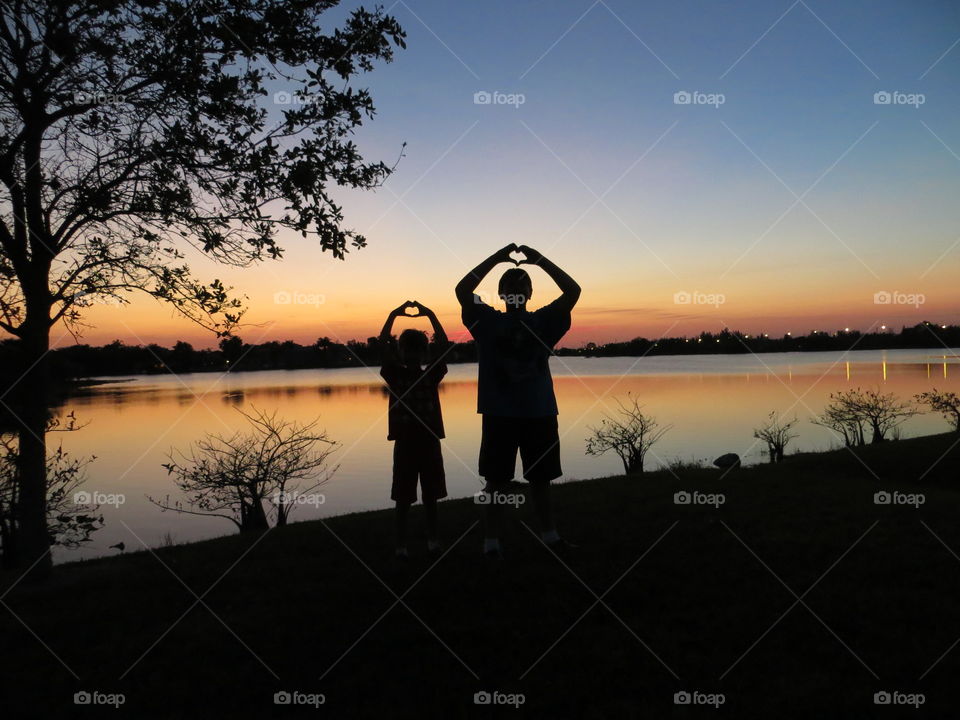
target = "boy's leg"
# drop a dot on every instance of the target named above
(430, 507)
(498, 458)
(404, 491)
(540, 492)
(540, 452)
(492, 516)
(403, 510)
(433, 487)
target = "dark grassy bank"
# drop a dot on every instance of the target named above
(296, 607)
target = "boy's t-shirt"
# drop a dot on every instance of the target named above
(513, 349)
(414, 411)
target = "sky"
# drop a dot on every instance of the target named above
(768, 166)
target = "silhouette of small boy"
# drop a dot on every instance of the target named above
(415, 422)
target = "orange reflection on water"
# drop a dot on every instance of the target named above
(132, 426)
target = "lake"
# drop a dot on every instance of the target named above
(713, 403)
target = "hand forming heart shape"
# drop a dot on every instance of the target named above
(412, 305)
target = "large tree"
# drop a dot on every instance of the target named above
(135, 129)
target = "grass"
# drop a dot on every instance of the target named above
(690, 598)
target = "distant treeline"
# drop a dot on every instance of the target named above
(921, 335)
(83, 361)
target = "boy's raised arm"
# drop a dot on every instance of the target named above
(473, 278)
(568, 286)
(386, 334)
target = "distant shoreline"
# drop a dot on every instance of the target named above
(124, 377)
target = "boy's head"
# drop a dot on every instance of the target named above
(515, 288)
(413, 347)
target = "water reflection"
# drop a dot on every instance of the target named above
(713, 403)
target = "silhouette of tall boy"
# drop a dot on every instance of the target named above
(515, 389)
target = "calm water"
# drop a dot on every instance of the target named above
(713, 402)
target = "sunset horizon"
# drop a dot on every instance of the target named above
(582, 358)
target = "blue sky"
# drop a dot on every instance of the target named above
(693, 197)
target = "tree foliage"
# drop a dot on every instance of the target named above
(69, 524)
(776, 434)
(138, 131)
(238, 477)
(944, 402)
(630, 433)
(855, 413)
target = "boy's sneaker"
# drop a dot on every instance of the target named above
(434, 549)
(491, 549)
(401, 553)
(493, 554)
(562, 547)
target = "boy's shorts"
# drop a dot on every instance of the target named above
(418, 458)
(537, 439)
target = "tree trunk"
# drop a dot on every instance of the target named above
(32, 393)
(253, 518)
